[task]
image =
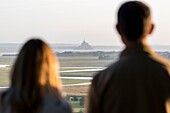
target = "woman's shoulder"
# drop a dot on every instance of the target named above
(3, 104)
(53, 105)
(63, 107)
(2, 92)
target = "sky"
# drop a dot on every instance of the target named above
(72, 21)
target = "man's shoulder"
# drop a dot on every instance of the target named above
(154, 63)
(113, 67)
(161, 59)
(102, 78)
(104, 75)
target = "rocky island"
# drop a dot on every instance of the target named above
(84, 46)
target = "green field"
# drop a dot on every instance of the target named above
(83, 62)
(64, 62)
(68, 62)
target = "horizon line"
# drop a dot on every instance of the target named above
(121, 45)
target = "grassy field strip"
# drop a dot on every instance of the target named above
(3, 65)
(82, 70)
(80, 84)
(4, 87)
(77, 78)
(82, 67)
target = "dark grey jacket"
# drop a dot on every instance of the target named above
(138, 82)
(49, 105)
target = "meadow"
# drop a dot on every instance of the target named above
(66, 63)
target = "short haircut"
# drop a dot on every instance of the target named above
(132, 19)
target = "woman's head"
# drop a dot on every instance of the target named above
(36, 69)
(35, 75)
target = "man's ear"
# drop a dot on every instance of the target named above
(124, 40)
(151, 28)
(118, 29)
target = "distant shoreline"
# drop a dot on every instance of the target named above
(102, 55)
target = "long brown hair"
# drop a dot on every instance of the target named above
(35, 73)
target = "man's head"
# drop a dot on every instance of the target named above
(134, 21)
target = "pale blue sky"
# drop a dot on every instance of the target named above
(71, 21)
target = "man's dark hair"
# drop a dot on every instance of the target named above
(132, 19)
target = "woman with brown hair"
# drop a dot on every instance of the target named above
(35, 84)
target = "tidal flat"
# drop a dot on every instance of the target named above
(66, 63)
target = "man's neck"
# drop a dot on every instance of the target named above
(141, 41)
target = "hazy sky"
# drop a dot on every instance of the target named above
(72, 21)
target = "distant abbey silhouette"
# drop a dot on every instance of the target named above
(84, 46)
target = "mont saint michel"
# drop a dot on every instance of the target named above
(84, 46)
